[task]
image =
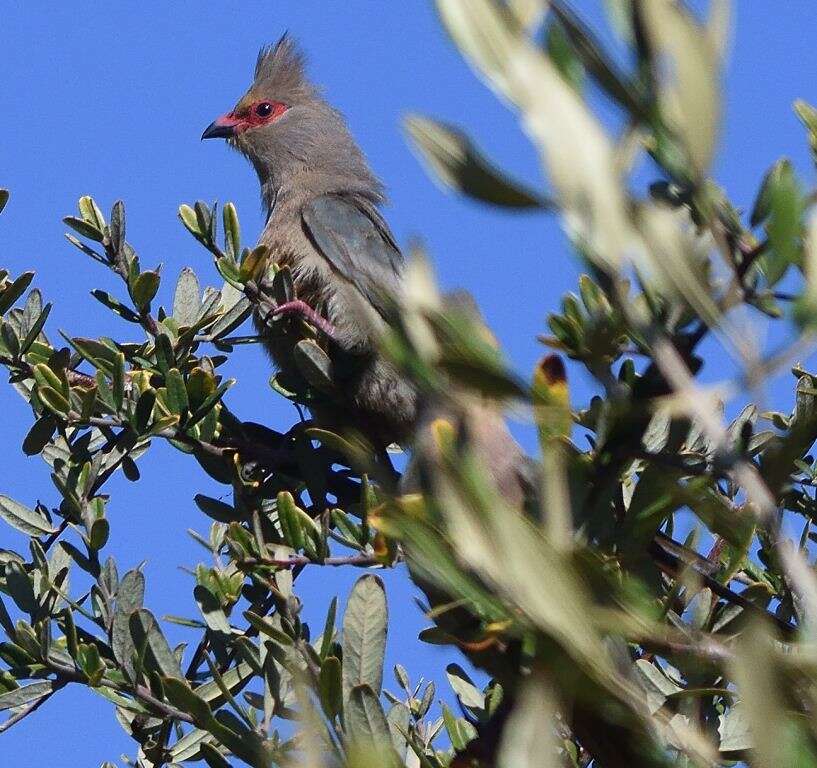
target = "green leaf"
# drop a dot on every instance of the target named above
(252, 265)
(210, 402)
(808, 116)
(330, 687)
(71, 637)
(189, 746)
(24, 519)
(180, 694)
(26, 694)
(84, 228)
(200, 385)
(365, 624)
(784, 227)
(48, 376)
(232, 679)
(211, 610)
(563, 55)
(591, 54)
(39, 435)
(187, 298)
(364, 720)
(734, 730)
(117, 226)
(19, 586)
(204, 219)
(99, 534)
(655, 498)
(126, 313)
(212, 756)
(54, 401)
(14, 291)
(328, 629)
(144, 289)
(176, 392)
(468, 694)
(9, 340)
(690, 99)
(218, 510)
(188, 218)
(130, 596)
(97, 352)
(290, 520)
(778, 739)
(90, 662)
(763, 202)
(118, 381)
(283, 288)
(90, 212)
(460, 731)
(165, 356)
(144, 409)
(266, 627)
(232, 318)
(146, 633)
(232, 230)
(556, 118)
(398, 718)
(35, 329)
(314, 364)
(458, 164)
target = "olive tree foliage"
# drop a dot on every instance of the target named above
(611, 634)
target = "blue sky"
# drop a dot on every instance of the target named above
(112, 103)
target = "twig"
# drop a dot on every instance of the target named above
(296, 560)
(144, 695)
(168, 434)
(68, 674)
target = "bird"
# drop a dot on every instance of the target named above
(324, 224)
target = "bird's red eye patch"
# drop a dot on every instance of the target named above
(262, 112)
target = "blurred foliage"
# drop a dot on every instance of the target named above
(612, 632)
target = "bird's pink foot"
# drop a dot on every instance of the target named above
(303, 310)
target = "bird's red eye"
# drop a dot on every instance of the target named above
(264, 109)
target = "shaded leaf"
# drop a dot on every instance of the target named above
(145, 633)
(211, 609)
(459, 164)
(187, 298)
(25, 694)
(130, 596)
(24, 519)
(365, 624)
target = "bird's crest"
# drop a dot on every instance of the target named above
(281, 67)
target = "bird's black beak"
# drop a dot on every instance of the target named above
(221, 128)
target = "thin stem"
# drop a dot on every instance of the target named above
(68, 674)
(144, 695)
(168, 434)
(296, 560)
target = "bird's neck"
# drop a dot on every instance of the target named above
(269, 194)
(294, 179)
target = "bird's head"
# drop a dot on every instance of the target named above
(289, 132)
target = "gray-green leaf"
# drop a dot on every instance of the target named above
(23, 519)
(364, 635)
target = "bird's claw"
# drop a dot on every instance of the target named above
(301, 309)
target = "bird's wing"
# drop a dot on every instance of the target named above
(352, 235)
